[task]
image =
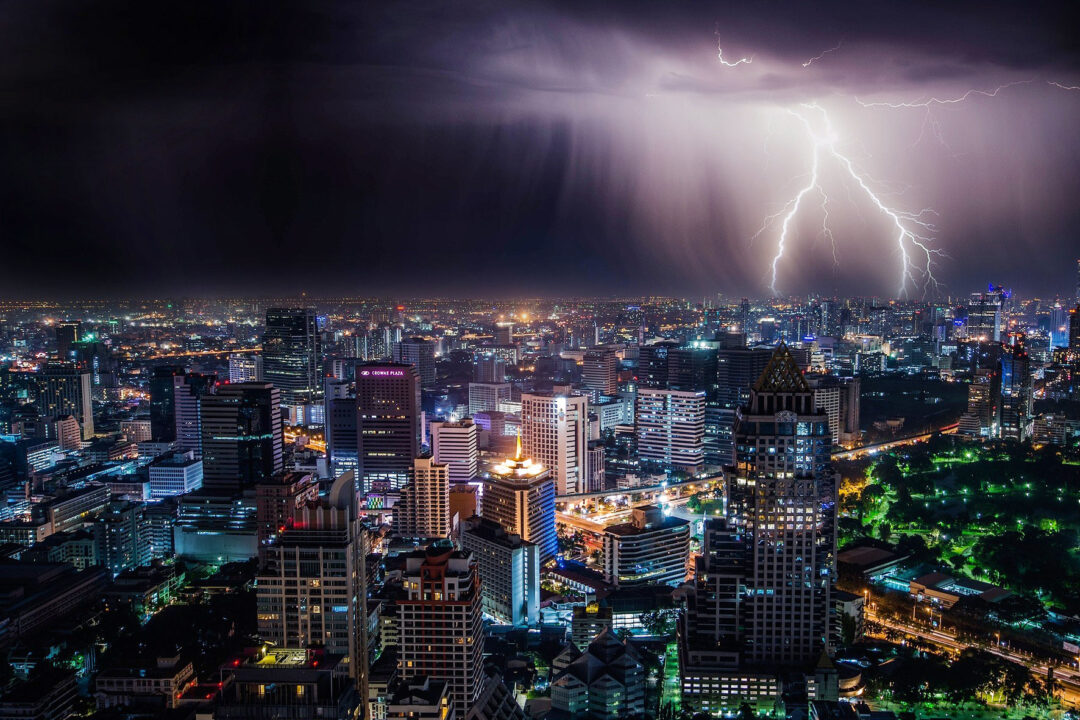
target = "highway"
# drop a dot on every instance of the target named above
(1067, 678)
(899, 442)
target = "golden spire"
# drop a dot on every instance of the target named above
(517, 455)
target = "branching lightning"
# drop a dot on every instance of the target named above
(814, 59)
(728, 63)
(913, 233)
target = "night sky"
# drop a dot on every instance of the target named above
(477, 149)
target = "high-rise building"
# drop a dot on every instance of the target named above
(986, 314)
(486, 397)
(121, 536)
(1017, 397)
(554, 432)
(489, 368)
(520, 496)
(387, 425)
(68, 334)
(456, 445)
(599, 373)
(839, 398)
(419, 353)
(671, 428)
(982, 417)
(277, 499)
(187, 396)
(292, 355)
(311, 587)
(651, 549)
(424, 508)
(653, 364)
(440, 624)
(341, 424)
(693, 369)
(162, 403)
(504, 333)
(761, 609)
(64, 389)
(241, 436)
(737, 369)
(175, 474)
(245, 368)
(1074, 328)
(509, 570)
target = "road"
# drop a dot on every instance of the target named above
(899, 442)
(1068, 679)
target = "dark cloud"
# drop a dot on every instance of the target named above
(488, 147)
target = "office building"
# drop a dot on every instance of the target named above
(599, 373)
(520, 496)
(653, 364)
(456, 445)
(486, 397)
(188, 392)
(981, 419)
(419, 353)
(292, 355)
(441, 631)
(509, 570)
(424, 508)
(986, 314)
(504, 333)
(245, 368)
(651, 549)
(1074, 329)
(241, 436)
(64, 389)
(388, 424)
(606, 681)
(311, 587)
(761, 609)
(670, 426)
(68, 335)
(340, 429)
(737, 370)
(162, 403)
(554, 432)
(693, 369)
(1017, 396)
(278, 498)
(839, 398)
(175, 474)
(489, 368)
(121, 536)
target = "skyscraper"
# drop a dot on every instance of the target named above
(489, 368)
(245, 368)
(737, 369)
(599, 373)
(653, 364)
(1074, 328)
(163, 403)
(187, 397)
(520, 496)
(440, 628)
(455, 444)
(671, 428)
(419, 353)
(292, 355)
(241, 436)
(554, 432)
(485, 397)
(67, 335)
(388, 424)
(64, 389)
(1017, 397)
(986, 318)
(341, 419)
(424, 508)
(509, 570)
(761, 607)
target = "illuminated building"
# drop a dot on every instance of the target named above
(839, 398)
(162, 403)
(292, 355)
(761, 608)
(277, 499)
(289, 682)
(175, 474)
(599, 373)
(455, 444)
(245, 368)
(504, 333)
(241, 436)
(441, 631)
(421, 699)
(311, 587)
(64, 389)
(340, 428)
(424, 508)
(188, 393)
(605, 682)
(1074, 329)
(68, 334)
(554, 432)
(486, 397)
(651, 549)
(981, 417)
(489, 368)
(1017, 397)
(653, 364)
(736, 370)
(520, 496)
(986, 314)
(419, 353)
(671, 428)
(388, 424)
(509, 570)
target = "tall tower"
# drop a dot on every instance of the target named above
(187, 396)
(761, 608)
(520, 496)
(387, 424)
(1017, 398)
(424, 508)
(292, 355)
(554, 431)
(599, 373)
(241, 436)
(671, 428)
(456, 445)
(64, 389)
(163, 402)
(419, 353)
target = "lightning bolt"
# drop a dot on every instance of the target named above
(814, 59)
(931, 101)
(728, 63)
(1063, 87)
(913, 232)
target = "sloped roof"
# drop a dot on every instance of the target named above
(782, 374)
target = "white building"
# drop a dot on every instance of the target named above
(554, 432)
(484, 397)
(671, 427)
(509, 571)
(651, 549)
(424, 508)
(245, 368)
(176, 474)
(456, 445)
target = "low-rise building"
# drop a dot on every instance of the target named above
(652, 548)
(160, 684)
